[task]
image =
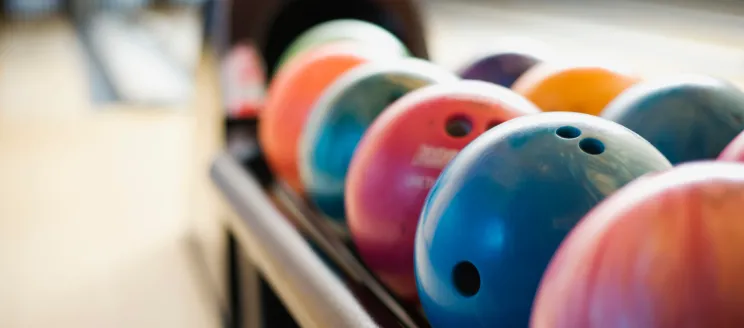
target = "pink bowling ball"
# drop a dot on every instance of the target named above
(734, 152)
(401, 156)
(663, 252)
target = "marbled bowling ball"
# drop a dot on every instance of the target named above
(573, 88)
(341, 116)
(503, 205)
(400, 157)
(663, 252)
(502, 68)
(344, 30)
(686, 117)
(292, 94)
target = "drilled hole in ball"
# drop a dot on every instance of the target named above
(458, 126)
(592, 146)
(466, 278)
(568, 132)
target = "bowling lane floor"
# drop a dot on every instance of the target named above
(105, 213)
(100, 210)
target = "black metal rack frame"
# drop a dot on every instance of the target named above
(283, 258)
(309, 265)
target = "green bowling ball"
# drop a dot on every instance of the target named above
(342, 114)
(343, 30)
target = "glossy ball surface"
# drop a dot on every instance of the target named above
(663, 252)
(341, 116)
(501, 68)
(291, 96)
(399, 159)
(580, 89)
(687, 117)
(501, 208)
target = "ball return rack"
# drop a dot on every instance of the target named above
(308, 262)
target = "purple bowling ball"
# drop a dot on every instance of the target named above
(500, 68)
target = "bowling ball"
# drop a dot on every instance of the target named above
(686, 117)
(665, 251)
(345, 30)
(399, 158)
(342, 114)
(735, 150)
(501, 208)
(243, 81)
(501, 68)
(581, 89)
(291, 95)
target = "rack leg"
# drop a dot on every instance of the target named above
(243, 288)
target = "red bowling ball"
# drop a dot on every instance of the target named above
(400, 157)
(291, 96)
(663, 252)
(734, 152)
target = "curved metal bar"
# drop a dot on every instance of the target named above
(311, 292)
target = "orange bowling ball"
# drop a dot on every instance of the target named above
(582, 89)
(292, 94)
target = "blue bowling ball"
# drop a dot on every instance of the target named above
(342, 114)
(502, 68)
(687, 117)
(500, 209)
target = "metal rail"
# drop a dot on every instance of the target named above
(329, 240)
(312, 293)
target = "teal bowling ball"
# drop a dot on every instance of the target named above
(503, 205)
(342, 114)
(688, 118)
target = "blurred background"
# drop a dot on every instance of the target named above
(111, 111)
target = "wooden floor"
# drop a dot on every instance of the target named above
(100, 208)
